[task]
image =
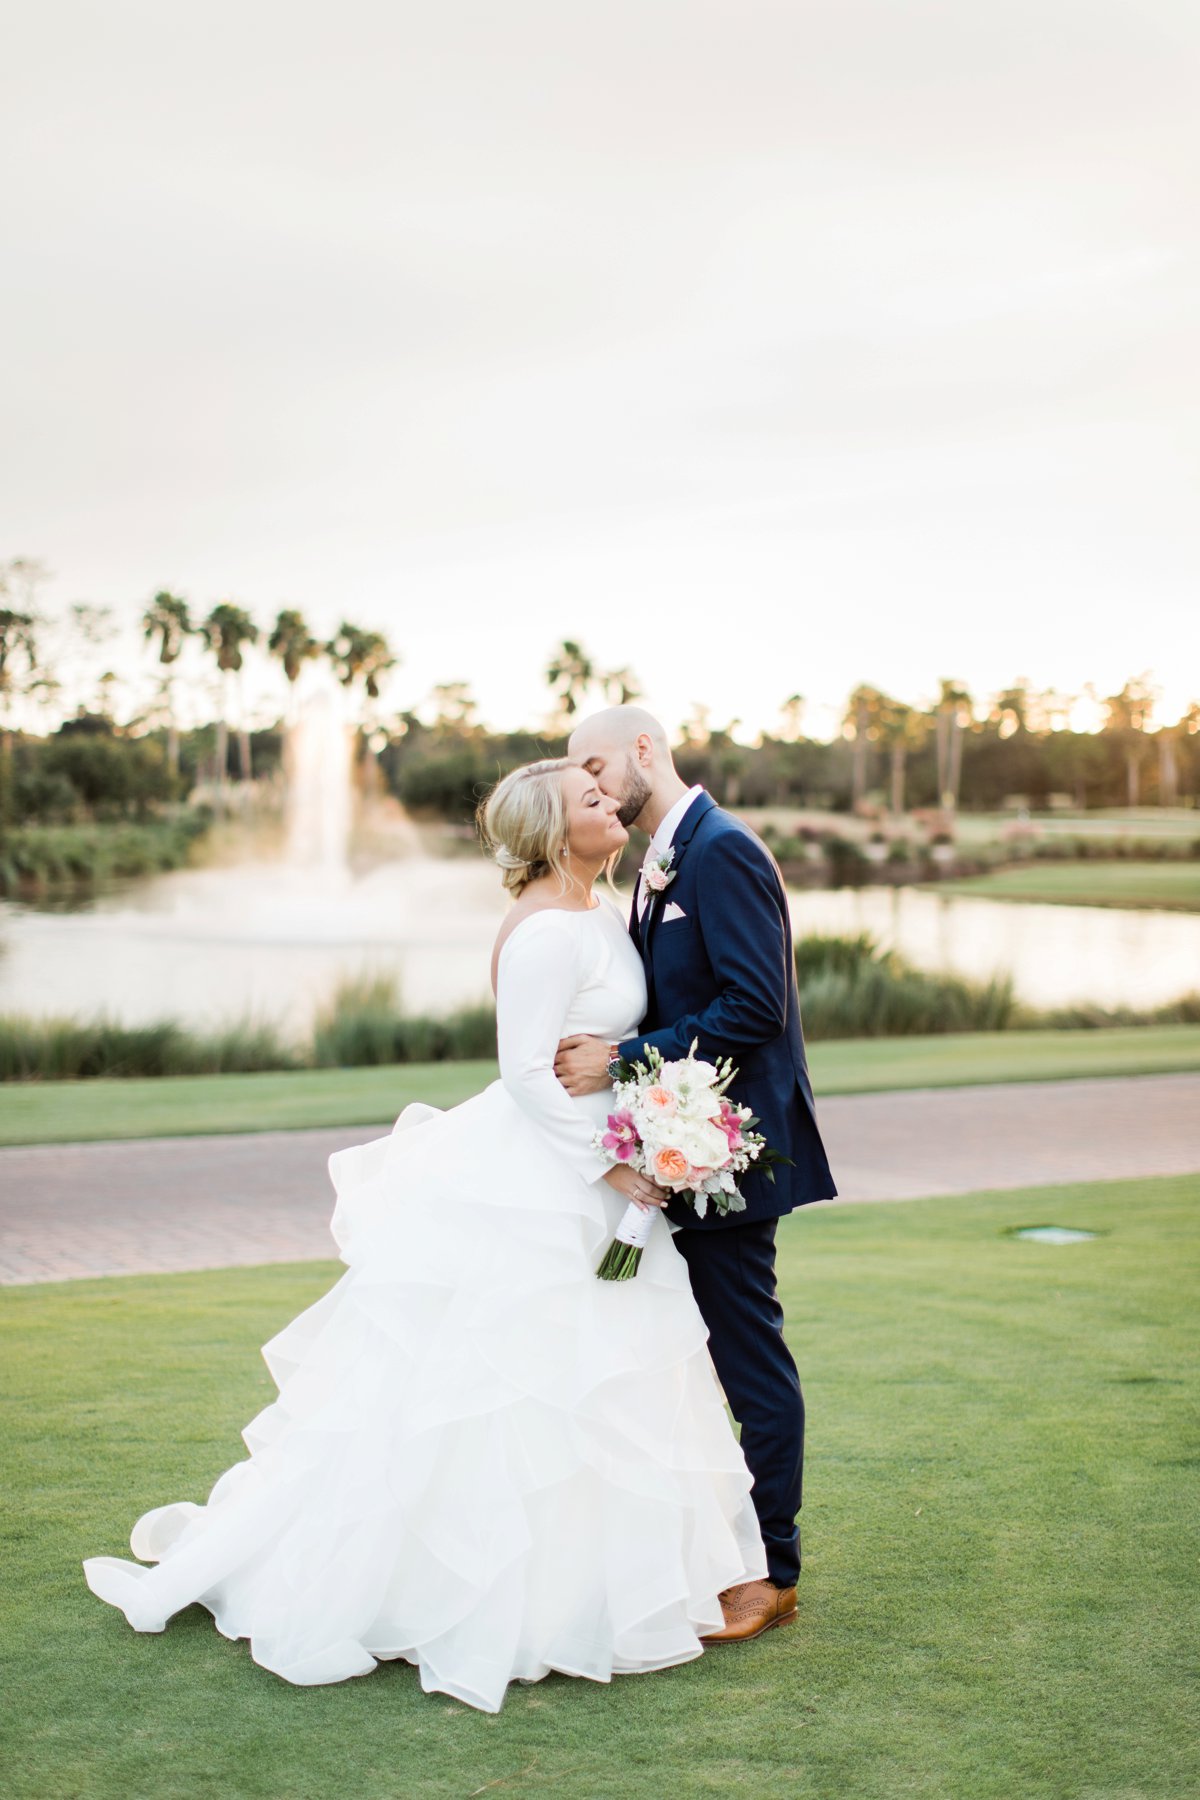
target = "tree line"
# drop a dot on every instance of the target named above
(359, 657)
(959, 750)
(875, 720)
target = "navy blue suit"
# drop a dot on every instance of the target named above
(724, 974)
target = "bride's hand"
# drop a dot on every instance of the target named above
(638, 1188)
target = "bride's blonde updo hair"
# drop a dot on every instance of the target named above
(523, 823)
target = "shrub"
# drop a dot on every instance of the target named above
(88, 767)
(1082, 1017)
(848, 867)
(363, 1026)
(851, 988)
(786, 849)
(848, 988)
(55, 1049)
(37, 857)
(818, 954)
(884, 1002)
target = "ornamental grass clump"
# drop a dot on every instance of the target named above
(851, 988)
(363, 1027)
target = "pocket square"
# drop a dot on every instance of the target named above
(671, 911)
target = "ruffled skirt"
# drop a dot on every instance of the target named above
(481, 1459)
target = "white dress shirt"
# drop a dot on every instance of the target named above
(663, 838)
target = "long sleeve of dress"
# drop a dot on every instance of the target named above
(536, 982)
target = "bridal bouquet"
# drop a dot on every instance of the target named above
(672, 1122)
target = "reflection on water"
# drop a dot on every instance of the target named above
(269, 942)
(263, 941)
(1056, 955)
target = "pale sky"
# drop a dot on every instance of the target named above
(765, 345)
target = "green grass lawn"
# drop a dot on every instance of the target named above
(1102, 822)
(68, 1111)
(999, 1592)
(63, 1111)
(1171, 885)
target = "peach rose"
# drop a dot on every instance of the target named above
(659, 1100)
(670, 1167)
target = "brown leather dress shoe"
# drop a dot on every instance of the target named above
(751, 1609)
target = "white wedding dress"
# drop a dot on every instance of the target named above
(481, 1459)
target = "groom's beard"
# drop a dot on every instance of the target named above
(637, 792)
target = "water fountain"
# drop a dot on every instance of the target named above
(270, 938)
(319, 785)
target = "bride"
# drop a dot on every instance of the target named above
(482, 1459)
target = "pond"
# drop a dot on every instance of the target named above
(269, 942)
(1056, 955)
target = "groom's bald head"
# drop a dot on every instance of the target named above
(626, 750)
(617, 728)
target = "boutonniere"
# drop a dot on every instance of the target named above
(657, 872)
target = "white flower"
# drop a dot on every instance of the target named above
(655, 1130)
(704, 1146)
(686, 1074)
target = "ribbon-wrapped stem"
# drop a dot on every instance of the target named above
(623, 1256)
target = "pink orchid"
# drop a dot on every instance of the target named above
(729, 1122)
(622, 1135)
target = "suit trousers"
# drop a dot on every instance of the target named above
(733, 1279)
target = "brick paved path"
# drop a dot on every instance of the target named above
(210, 1202)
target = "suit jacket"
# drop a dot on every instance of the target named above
(724, 974)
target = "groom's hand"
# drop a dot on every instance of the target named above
(582, 1065)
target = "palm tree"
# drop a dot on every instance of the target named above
(359, 655)
(620, 686)
(1047, 709)
(569, 674)
(20, 579)
(901, 729)
(791, 713)
(1011, 708)
(1127, 715)
(46, 693)
(1168, 763)
(365, 656)
(16, 639)
(167, 618)
(294, 644)
(225, 630)
(729, 760)
(1169, 740)
(456, 707)
(697, 730)
(1187, 725)
(862, 721)
(952, 715)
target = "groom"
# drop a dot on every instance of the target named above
(710, 918)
